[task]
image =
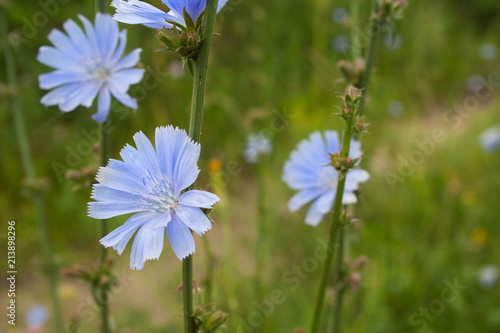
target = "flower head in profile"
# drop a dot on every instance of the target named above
(150, 184)
(140, 12)
(258, 145)
(309, 172)
(88, 63)
(490, 139)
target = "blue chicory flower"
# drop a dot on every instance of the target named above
(140, 12)
(309, 172)
(89, 62)
(490, 139)
(150, 183)
(257, 145)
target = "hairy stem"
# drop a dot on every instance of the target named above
(197, 103)
(334, 230)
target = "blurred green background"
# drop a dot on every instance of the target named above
(274, 68)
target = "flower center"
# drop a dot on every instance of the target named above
(98, 72)
(161, 197)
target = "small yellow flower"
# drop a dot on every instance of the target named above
(479, 236)
(215, 165)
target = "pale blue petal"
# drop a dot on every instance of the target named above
(90, 32)
(121, 176)
(106, 210)
(139, 12)
(314, 214)
(63, 44)
(83, 96)
(349, 198)
(168, 144)
(121, 48)
(332, 142)
(52, 57)
(107, 34)
(146, 151)
(186, 170)
(196, 198)
(148, 244)
(221, 4)
(57, 78)
(59, 94)
(103, 105)
(119, 237)
(194, 218)
(123, 79)
(129, 60)
(324, 203)
(123, 98)
(180, 238)
(303, 197)
(77, 37)
(103, 193)
(355, 149)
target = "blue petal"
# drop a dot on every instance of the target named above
(121, 176)
(180, 238)
(63, 43)
(354, 177)
(58, 95)
(119, 237)
(103, 105)
(349, 198)
(121, 48)
(130, 60)
(146, 151)
(355, 149)
(106, 210)
(303, 197)
(123, 79)
(107, 34)
(325, 201)
(103, 193)
(332, 142)
(57, 78)
(148, 244)
(314, 214)
(194, 218)
(90, 33)
(83, 96)
(123, 98)
(139, 12)
(52, 57)
(78, 38)
(196, 198)
(178, 156)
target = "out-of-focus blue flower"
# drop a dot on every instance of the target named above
(150, 183)
(488, 51)
(341, 43)
(89, 62)
(37, 316)
(139, 12)
(258, 144)
(340, 15)
(393, 41)
(395, 108)
(309, 172)
(490, 139)
(474, 83)
(488, 276)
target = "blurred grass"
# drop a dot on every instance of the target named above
(277, 55)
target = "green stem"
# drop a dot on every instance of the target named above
(100, 6)
(356, 50)
(197, 103)
(339, 281)
(261, 242)
(334, 229)
(370, 56)
(102, 300)
(29, 171)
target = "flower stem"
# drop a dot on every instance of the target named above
(261, 238)
(334, 230)
(370, 56)
(198, 98)
(100, 6)
(29, 171)
(102, 300)
(339, 287)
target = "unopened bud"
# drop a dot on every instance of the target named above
(215, 320)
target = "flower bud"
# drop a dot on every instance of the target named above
(215, 321)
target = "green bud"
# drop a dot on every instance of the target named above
(215, 321)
